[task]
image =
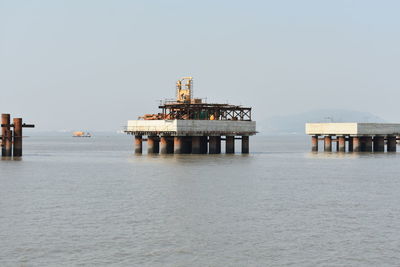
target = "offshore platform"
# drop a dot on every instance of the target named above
(188, 125)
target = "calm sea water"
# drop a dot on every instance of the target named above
(91, 202)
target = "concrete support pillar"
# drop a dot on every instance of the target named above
(350, 144)
(178, 144)
(5, 151)
(328, 144)
(356, 144)
(153, 145)
(379, 144)
(314, 143)
(230, 145)
(368, 143)
(138, 144)
(170, 145)
(204, 144)
(245, 145)
(196, 145)
(163, 145)
(342, 144)
(17, 149)
(391, 143)
(187, 145)
(218, 144)
(215, 144)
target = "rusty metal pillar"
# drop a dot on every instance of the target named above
(196, 145)
(213, 144)
(5, 121)
(245, 144)
(163, 145)
(328, 144)
(350, 144)
(391, 143)
(368, 143)
(379, 144)
(17, 149)
(138, 144)
(314, 143)
(230, 145)
(178, 144)
(342, 144)
(204, 144)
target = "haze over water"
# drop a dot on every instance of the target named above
(91, 202)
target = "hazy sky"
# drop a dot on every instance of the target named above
(92, 65)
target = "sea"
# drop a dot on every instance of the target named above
(92, 202)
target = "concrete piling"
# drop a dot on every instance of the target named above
(314, 143)
(368, 143)
(204, 144)
(17, 149)
(213, 144)
(379, 143)
(328, 143)
(138, 144)
(196, 145)
(163, 145)
(178, 144)
(356, 144)
(350, 144)
(245, 144)
(391, 143)
(230, 145)
(341, 144)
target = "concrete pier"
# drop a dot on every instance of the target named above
(153, 145)
(178, 145)
(245, 144)
(196, 145)
(379, 144)
(230, 145)
(361, 137)
(214, 144)
(204, 144)
(138, 144)
(314, 143)
(368, 143)
(342, 144)
(356, 144)
(391, 143)
(350, 138)
(163, 145)
(328, 143)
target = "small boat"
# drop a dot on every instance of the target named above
(81, 134)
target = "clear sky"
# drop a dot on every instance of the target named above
(95, 64)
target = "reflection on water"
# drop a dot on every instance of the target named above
(92, 202)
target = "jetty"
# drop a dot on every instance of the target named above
(354, 137)
(188, 125)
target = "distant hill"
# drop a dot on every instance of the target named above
(294, 124)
